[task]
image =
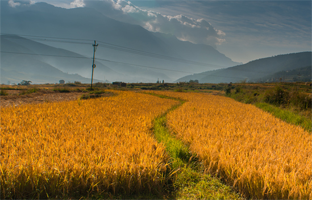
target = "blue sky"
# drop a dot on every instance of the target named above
(242, 30)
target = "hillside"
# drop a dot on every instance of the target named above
(116, 42)
(29, 63)
(257, 70)
(300, 74)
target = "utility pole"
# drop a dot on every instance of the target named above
(93, 65)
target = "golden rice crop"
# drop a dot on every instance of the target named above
(82, 147)
(261, 155)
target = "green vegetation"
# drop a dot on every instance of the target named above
(188, 179)
(30, 91)
(89, 96)
(97, 92)
(62, 90)
(288, 102)
(9, 88)
(179, 90)
(3, 93)
(287, 115)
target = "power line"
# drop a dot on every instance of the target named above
(47, 37)
(129, 50)
(34, 54)
(121, 48)
(106, 60)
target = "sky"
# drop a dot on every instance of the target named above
(242, 30)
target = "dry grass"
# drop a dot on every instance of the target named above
(35, 98)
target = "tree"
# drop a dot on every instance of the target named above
(24, 82)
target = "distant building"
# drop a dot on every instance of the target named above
(62, 82)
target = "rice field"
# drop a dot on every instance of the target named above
(106, 147)
(78, 148)
(262, 156)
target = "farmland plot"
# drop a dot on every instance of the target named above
(78, 148)
(248, 148)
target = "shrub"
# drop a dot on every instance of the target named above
(90, 89)
(301, 100)
(237, 90)
(228, 91)
(97, 92)
(277, 96)
(90, 96)
(179, 90)
(62, 90)
(32, 90)
(3, 93)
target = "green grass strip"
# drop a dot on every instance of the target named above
(287, 116)
(189, 180)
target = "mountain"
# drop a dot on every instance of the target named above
(300, 74)
(28, 62)
(257, 70)
(139, 54)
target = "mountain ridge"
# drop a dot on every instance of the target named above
(21, 63)
(254, 70)
(91, 25)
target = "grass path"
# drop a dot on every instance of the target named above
(187, 177)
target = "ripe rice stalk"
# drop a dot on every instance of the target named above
(77, 148)
(250, 149)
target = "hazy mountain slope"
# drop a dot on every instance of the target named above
(20, 65)
(300, 74)
(254, 70)
(46, 20)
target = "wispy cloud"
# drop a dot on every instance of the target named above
(15, 3)
(77, 3)
(198, 31)
(62, 3)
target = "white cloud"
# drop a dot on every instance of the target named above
(77, 3)
(197, 31)
(13, 4)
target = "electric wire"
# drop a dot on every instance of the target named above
(122, 48)
(106, 60)
(119, 47)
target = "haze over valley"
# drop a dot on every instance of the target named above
(45, 43)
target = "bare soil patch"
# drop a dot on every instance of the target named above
(40, 97)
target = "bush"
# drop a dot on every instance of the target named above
(62, 90)
(277, 96)
(32, 90)
(227, 91)
(86, 96)
(179, 90)
(3, 93)
(237, 90)
(97, 92)
(90, 89)
(301, 100)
